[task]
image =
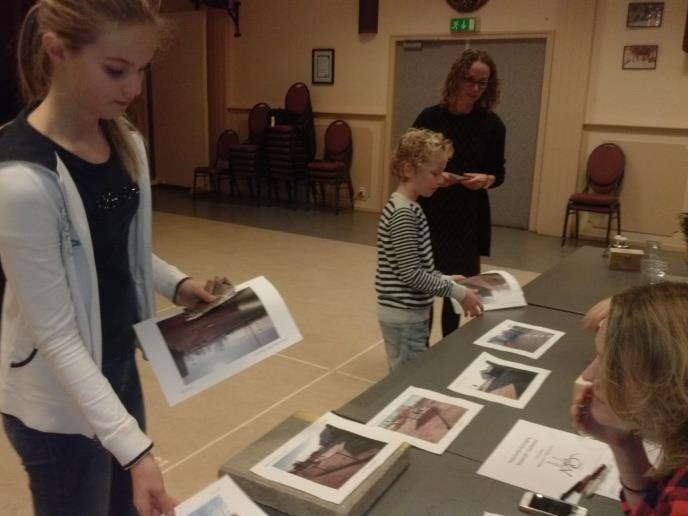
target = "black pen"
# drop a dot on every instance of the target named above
(581, 484)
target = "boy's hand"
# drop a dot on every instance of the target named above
(471, 304)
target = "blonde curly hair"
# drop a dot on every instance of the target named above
(419, 147)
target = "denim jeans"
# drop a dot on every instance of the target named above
(73, 475)
(404, 341)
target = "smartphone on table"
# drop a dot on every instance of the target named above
(536, 503)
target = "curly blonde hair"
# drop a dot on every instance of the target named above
(459, 70)
(645, 366)
(419, 147)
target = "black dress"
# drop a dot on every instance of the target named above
(459, 218)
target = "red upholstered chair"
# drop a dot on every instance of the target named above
(220, 166)
(247, 159)
(604, 173)
(291, 142)
(335, 167)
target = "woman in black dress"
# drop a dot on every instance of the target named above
(459, 215)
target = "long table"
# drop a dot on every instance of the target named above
(448, 484)
(583, 278)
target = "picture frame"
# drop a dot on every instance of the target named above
(322, 66)
(639, 57)
(645, 14)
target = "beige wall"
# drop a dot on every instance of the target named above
(646, 113)
(587, 98)
(270, 56)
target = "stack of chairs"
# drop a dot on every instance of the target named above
(291, 143)
(247, 159)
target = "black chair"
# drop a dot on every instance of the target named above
(212, 175)
(335, 167)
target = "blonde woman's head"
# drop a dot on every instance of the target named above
(644, 366)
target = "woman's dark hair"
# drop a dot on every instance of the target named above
(459, 70)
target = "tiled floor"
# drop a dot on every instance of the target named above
(323, 266)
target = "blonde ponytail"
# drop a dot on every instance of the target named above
(32, 64)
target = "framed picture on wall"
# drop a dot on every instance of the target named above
(645, 14)
(323, 66)
(639, 57)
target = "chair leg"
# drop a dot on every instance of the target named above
(193, 188)
(566, 223)
(250, 188)
(609, 227)
(351, 193)
(336, 197)
(314, 193)
(618, 219)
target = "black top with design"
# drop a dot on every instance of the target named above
(459, 218)
(110, 199)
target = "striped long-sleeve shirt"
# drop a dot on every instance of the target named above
(406, 277)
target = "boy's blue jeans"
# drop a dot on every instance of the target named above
(70, 474)
(404, 341)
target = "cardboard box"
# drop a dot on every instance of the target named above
(624, 259)
(279, 499)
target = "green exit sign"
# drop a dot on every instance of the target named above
(463, 24)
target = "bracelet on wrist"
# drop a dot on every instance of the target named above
(636, 491)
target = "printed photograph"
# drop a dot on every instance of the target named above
(236, 328)
(214, 507)
(423, 418)
(486, 284)
(331, 459)
(505, 381)
(190, 351)
(520, 338)
(428, 420)
(221, 498)
(497, 290)
(502, 381)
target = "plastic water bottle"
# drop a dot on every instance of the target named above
(653, 267)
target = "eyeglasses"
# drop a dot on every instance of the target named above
(475, 82)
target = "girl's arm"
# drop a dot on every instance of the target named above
(30, 250)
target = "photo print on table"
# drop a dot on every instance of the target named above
(426, 419)
(520, 338)
(189, 356)
(330, 458)
(501, 381)
(221, 498)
